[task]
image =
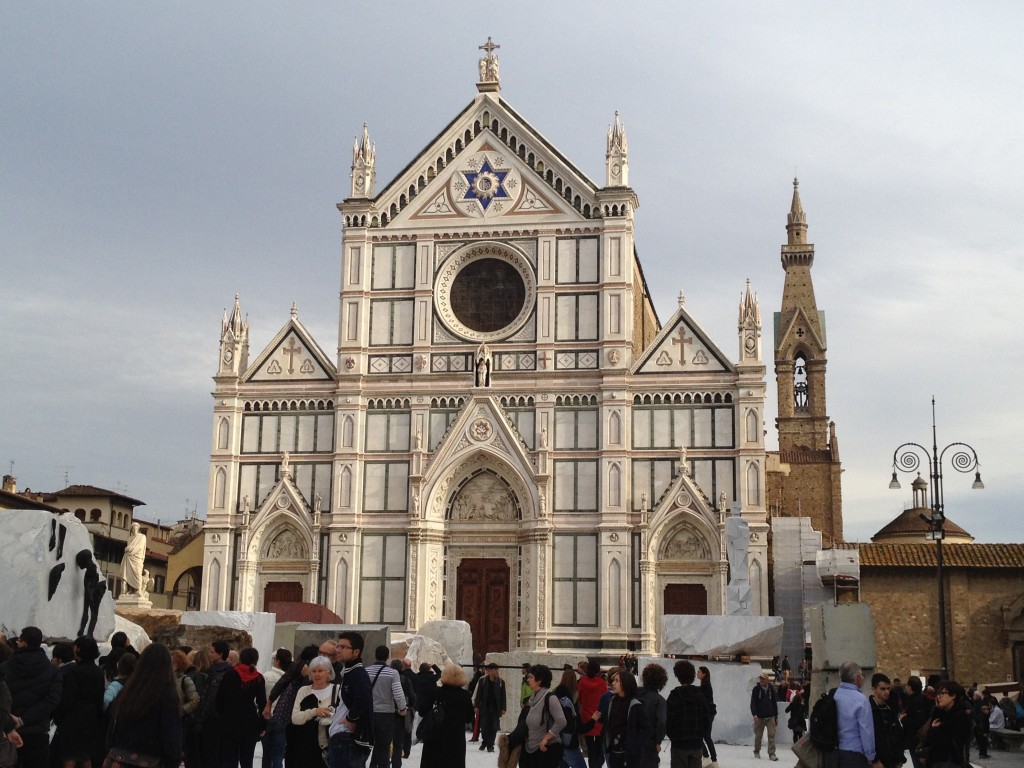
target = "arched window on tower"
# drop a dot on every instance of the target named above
(800, 387)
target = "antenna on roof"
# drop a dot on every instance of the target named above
(67, 471)
(11, 472)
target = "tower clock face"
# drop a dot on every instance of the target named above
(485, 292)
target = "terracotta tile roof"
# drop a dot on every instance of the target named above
(909, 523)
(922, 555)
(92, 490)
(14, 501)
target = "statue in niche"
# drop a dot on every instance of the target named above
(286, 546)
(94, 591)
(134, 558)
(543, 437)
(483, 366)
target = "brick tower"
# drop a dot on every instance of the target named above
(806, 481)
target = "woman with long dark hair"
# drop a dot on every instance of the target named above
(565, 692)
(626, 725)
(146, 726)
(704, 675)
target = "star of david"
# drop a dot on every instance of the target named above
(485, 185)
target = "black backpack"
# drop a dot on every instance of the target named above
(569, 737)
(824, 730)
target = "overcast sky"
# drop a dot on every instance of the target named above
(158, 158)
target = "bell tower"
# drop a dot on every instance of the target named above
(807, 480)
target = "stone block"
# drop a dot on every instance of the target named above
(420, 649)
(38, 553)
(455, 636)
(721, 635)
(259, 626)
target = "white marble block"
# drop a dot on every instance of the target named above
(721, 635)
(38, 551)
(455, 636)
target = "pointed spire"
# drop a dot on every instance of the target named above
(617, 155)
(364, 165)
(750, 308)
(796, 220)
(750, 326)
(234, 340)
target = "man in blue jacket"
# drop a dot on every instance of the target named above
(351, 730)
(765, 709)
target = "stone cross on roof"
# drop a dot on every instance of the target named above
(489, 69)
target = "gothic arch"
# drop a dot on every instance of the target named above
(614, 485)
(615, 592)
(222, 434)
(685, 541)
(214, 581)
(220, 482)
(439, 493)
(614, 428)
(752, 426)
(484, 496)
(753, 484)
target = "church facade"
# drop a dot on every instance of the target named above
(507, 433)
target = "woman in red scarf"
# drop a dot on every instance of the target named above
(240, 701)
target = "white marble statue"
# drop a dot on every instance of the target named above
(134, 558)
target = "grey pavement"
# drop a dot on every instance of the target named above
(729, 756)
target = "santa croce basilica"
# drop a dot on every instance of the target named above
(508, 434)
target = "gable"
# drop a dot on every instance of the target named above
(801, 330)
(487, 164)
(682, 347)
(291, 356)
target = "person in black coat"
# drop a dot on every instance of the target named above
(35, 692)
(240, 701)
(448, 749)
(490, 703)
(80, 712)
(949, 731)
(147, 713)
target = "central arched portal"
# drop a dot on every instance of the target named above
(483, 515)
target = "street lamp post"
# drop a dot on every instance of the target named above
(909, 458)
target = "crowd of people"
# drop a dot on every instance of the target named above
(210, 707)
(933, 725)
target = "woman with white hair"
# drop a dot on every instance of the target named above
(312, 712)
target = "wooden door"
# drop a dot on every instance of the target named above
(482, 601)
(282, 592)
(687, 599)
